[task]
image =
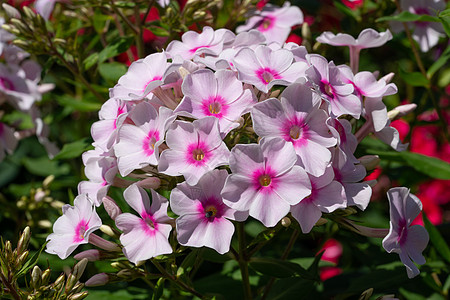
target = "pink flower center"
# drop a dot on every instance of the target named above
(266, 75)
(327, 89)
(6, 84)
(264, 180)
(149, 142)
(150, 81)
(148, 224)
(266, 24)
(197, 154)
(80, 230)
(295, 131)
(193, 50)
(214, 106)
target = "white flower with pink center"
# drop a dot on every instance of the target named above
(73, 227)
(104, 131)
(327, 82)
(208, 42)
(101, 173)
(203, 217)
(142, 77)
(327, 195)
(265, 180)
(265, 67)
(274, 22)
(297, 119)
(194, 149)
(406, 240)
(219, 94)
(146, 236)
(138, 142)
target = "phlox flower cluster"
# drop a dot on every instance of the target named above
(235, 126)
(20, 89)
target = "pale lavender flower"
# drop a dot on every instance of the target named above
(406, 240)
(349, 175)
(112, 114)
(219, 94)
(297, 119)
(265, 180)
(195, 148)
(101, 173)
(73, 227)
(138, 143)
(142, 77)
(426, 34)
(145, 236)
(341, 129)
(274, 22)
(207, 42)
(327, 82)
(265, 67)
(327, 195)
(203, 217)
(368, 38)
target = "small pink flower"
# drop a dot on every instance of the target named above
(403, 239)
(73, 227)
(219, 94)
(194, 149)
(203, 217)
(146, 236)
(274, 22)
(265, 67)
(265, 180)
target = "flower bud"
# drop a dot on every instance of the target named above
(10, 29)
(77, 288)
(79, 268)
(306, 31)
(48, 180)
(286, 222)
(119, 265)
(388, 77)
(369, 162)
(44, 224)
(125, 273)
(150, 183)
(106, 229)
(46, 276)
(90, 255)
(111, 207)
(29, 12)
(39, 195)
(11, 11)
(78, 296)
(401, 111)
(70, 283)
(36, 277)
(59, 282)
(22, 258)
(22, 245)
(103, 244)
(97, 280)
(321, 221)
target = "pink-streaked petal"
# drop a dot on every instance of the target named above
(137, 198)
(279, 155)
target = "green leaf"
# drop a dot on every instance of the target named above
(159, 288)
(74, 149)
(413, 78)
(442, 60)
(279, 268)
(78, 105)
(43, 166)
(114, 48)
(292, 288)
(99, 21)
(406, 16)
(436, 239)
(431, 166)
(444, 16)
(90, 61)
(112, 71)
(188, 262)
(159, 31)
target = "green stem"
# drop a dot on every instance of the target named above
(9, 287)
(243, 261)
(174, 280)
(139, 34)
(285, 255)
(125, 19)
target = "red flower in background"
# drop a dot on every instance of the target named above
(332, 253)
(353, 4)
